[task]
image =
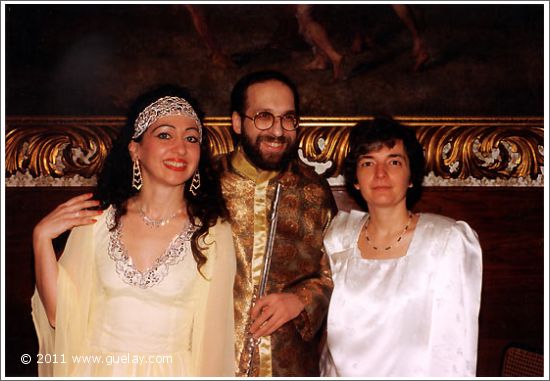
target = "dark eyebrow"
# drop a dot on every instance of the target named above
(193, 128)
(171, 126)
(163, 125)
(396, 155)
(392, 155)
(364, 156)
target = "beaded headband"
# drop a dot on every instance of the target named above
(162, 107)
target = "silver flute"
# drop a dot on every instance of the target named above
(252, 344)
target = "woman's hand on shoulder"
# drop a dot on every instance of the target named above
(74, 212)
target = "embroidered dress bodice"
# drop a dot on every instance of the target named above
(144, 313)
(177, 250)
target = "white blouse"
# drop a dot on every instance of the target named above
(416, 315)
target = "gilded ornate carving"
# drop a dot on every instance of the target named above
(325, 140)
(219, 130)
(66, 146)
(483, 148)
(455, 148)
(463, 149)
(58, 146)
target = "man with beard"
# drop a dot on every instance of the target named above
(287, 320)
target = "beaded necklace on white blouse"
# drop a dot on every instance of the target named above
(375, 247)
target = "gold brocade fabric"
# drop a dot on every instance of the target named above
(298, 264)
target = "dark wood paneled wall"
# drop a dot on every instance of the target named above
(509, 222)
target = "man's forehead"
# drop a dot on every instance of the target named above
(262, 92)
(266, 86)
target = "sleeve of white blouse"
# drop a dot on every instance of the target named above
(455, 309)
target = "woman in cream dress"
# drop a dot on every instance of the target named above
(407, 285)
(144, 285)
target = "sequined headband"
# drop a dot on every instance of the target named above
(162, 107)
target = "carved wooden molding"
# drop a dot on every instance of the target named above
(479, 151)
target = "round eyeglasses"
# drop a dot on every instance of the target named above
(264, 120)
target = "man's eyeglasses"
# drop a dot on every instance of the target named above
(264, 120)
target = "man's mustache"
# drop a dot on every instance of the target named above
(272, 139)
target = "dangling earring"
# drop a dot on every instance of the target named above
(137, 181)
(195, 184)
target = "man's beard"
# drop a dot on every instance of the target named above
(269, 162)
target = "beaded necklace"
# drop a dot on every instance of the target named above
(156, 223)
(371, 244)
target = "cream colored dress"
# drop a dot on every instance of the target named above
(112, 320)
(413, 316)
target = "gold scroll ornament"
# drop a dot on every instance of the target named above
(455, 147)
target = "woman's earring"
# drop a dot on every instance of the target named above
(137, 181)
(195, 183)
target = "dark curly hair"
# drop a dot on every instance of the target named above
(370, 135)
(114, 186)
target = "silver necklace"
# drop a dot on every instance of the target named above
(156, 223)
(371, 244)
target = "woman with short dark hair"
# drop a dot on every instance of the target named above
(407, 286)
